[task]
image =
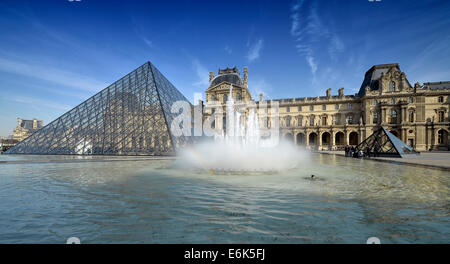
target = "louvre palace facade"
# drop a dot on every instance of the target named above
(417, 114)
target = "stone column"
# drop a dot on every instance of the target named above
(345, 137)
(320, 140)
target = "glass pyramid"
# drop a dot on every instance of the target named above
(130, 117)
(385, 144)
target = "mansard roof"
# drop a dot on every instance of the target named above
(437, 85)
(230, 75)
(374, 74)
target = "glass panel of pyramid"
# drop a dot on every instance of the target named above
(385, 143)
(130, 117)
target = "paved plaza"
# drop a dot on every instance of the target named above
(429, 159)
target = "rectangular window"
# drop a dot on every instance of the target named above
(350, 106)
(311, 108)
(324, 121)
(336, 107)
(350, 119)
(324, 107)
(288, 109)
(441, 116)
(375, 117)
(300, 121)
(299, 108)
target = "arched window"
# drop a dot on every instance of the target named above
(392, 86)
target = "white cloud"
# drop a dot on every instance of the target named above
(254, 50)
(312, 64)
(147, 41)
(309, 32)
(228, 49)
(50, 74)
(202, 74)
(40, 102)
(258, 86)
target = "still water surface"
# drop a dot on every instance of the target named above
(49, 200)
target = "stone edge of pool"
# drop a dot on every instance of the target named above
(394, 161)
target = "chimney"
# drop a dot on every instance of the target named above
(246, 77)
(329, 92)
(260, 97)
(341, 92)
(35, 123)
(211, 76)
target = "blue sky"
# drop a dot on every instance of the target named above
(55, 54)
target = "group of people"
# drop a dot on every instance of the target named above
(352, 151)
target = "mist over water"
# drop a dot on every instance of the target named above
(225, 156)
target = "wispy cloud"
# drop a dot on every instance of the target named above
(255, 50)
(228, 49)
(40, 102)
(202, 74)
(259, 86)
(46, 73)
(310, 33)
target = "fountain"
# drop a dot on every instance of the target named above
(241, 149)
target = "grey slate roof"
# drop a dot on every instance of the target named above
(373, 75)
(438, 85)
(232, 78)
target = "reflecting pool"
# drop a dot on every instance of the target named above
(47, 199)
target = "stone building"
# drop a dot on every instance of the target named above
(25, 128)
(418, 115)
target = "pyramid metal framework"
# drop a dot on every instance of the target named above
(384, 143)
(130, 117)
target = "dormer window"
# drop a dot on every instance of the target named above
(392, 86)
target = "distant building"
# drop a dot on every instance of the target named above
(25, 128)
(7, 143)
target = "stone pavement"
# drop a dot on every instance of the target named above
(439, 160)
